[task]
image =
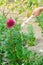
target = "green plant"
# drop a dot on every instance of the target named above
(12, 49)
(39, 19)
(12, 40)
(29, 38)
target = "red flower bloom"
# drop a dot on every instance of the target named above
(10, 23)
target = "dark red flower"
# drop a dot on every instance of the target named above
(10, 23)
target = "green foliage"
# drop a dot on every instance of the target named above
(12, 40)
(18, 5)
(2, 2)
(21, 9)
(29, 38)
(11, 46)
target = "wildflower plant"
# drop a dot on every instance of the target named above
(12, 51)
(10, 23)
